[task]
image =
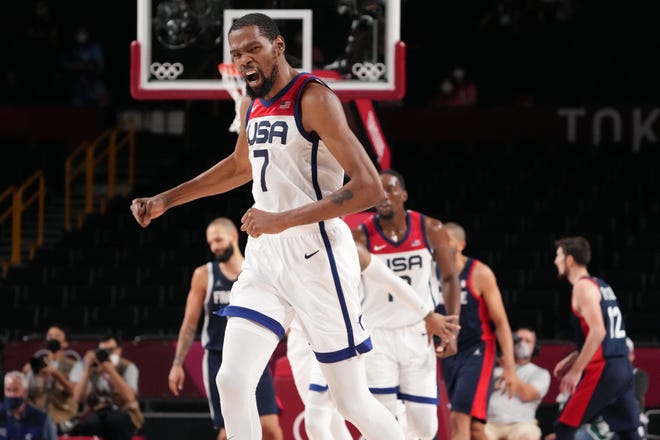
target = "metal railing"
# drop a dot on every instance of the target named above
(31, 192)
(85, 162)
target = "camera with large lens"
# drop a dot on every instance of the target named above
(38, 363)
(102, 354)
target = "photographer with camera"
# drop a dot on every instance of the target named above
(514, 418)
(108, 389)
(52, 375)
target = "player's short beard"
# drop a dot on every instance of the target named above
(267, 85)
(225, 255)
(387, 215)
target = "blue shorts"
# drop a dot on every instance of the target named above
(467, 376)
(266, 401)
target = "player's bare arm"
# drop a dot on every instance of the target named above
(564, 364)
(443, 255)
(586, 301)
(486, 283)
(193, 310)
(359, 236)
(323, 114)
(444, 258)
(364, 188)
(231, 172)
(364, 256)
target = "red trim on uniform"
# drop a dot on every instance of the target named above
(573, 412)
(484, 317)
(468, 282)
(413, 240)
(480, 402)
(576, 406)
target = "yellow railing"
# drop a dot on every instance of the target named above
(31, 192)
(6, 199)
(85, 161)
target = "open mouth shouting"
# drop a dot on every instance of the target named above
(253, 77)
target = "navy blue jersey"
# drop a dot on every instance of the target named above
(614, 344)
(217, 297)
(476, 325)
(34, 424)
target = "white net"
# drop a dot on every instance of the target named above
(235, 85)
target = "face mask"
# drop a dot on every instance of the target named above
(53, 345)
(114, 358)
(13, 403)
(522, 350)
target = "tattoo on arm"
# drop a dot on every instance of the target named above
(341, 196)
(186, 340)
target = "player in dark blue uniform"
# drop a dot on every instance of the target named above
(483, 319)
(599, 378)
(209, 290)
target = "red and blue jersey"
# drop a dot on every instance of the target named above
(614, 344)
(476, 323)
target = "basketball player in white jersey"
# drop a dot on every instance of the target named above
(402, 366)
(295, 145)
(322, 421)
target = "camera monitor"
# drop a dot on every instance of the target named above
(354, 45)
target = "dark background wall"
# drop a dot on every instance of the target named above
(560, 52)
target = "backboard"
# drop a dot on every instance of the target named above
(354, 45)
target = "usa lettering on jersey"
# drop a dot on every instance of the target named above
(266, 132)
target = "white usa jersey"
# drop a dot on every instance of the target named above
(411, 259)
(290, 167)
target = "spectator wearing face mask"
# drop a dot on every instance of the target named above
(18, 418)
(108, 389)
(52, 374)
(515, 418)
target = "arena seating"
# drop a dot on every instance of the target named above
(112, 273)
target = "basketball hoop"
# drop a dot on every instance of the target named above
(374, 44)
(235, 86)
